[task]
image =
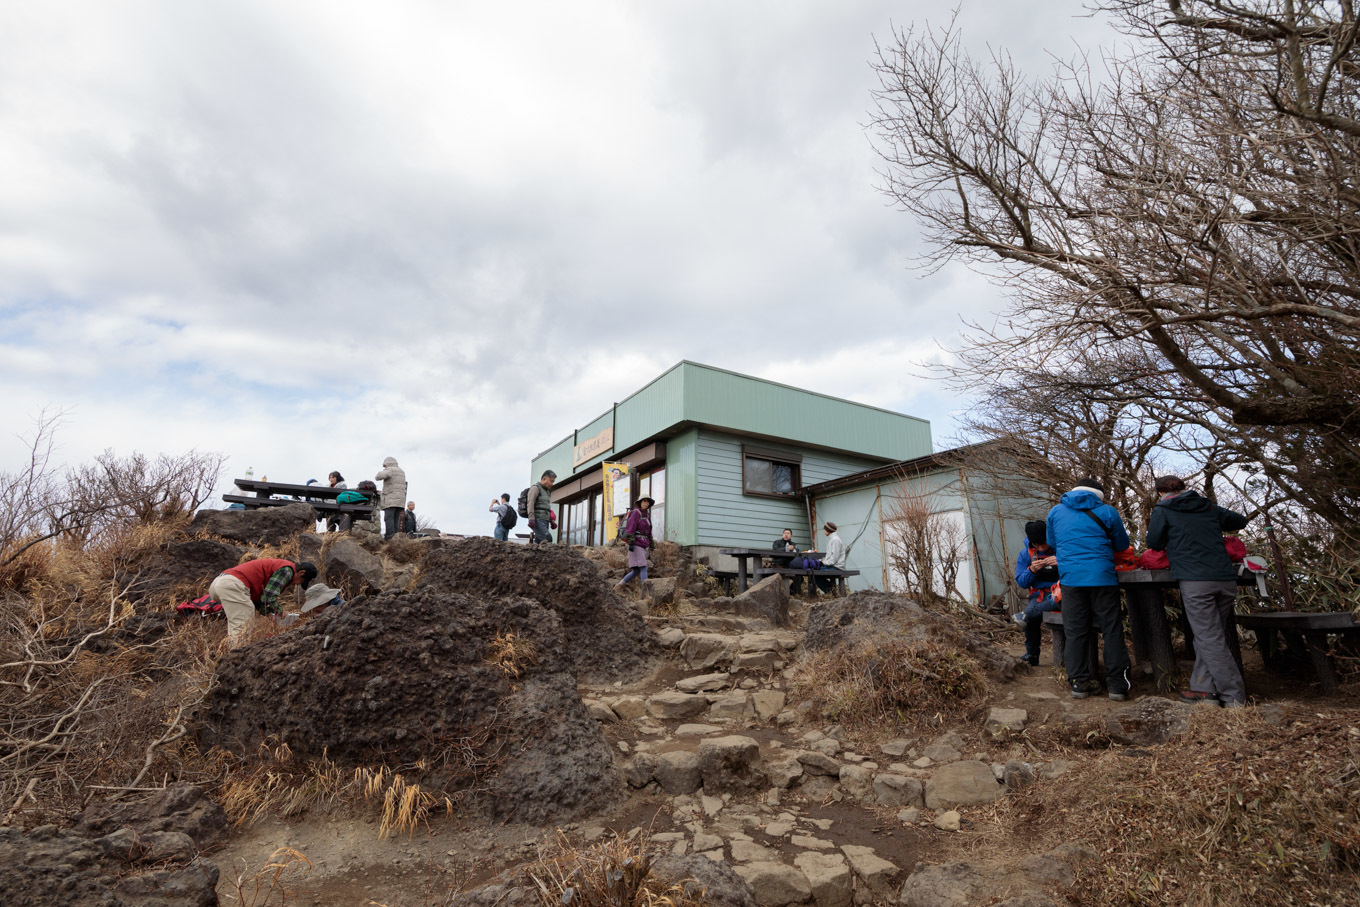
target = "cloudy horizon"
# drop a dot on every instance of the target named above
(313, 236)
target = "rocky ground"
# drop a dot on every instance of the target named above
(669, 718)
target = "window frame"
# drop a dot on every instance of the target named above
(772, 456)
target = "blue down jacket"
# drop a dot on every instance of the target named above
(1085, 552)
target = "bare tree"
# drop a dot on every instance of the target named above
(1179, 226)
(926, 549)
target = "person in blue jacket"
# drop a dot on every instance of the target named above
(1085, 533)
(1036, 569)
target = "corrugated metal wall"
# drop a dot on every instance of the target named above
(726, 400)
(728, 518)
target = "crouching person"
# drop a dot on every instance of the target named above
(1036, 569)
(254, 587)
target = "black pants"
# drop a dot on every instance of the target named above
(1084, 608)
(392, 518)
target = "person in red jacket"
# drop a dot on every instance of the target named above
(255, 586)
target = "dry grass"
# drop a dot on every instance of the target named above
(268, 885)
(1236, 811)
(891, 686)
(614, 873)
(511, 653)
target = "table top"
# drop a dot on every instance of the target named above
(316, 491)
(1164, 578)
(767, 552)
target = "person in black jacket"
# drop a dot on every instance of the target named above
(785, 543)
(1190, 529)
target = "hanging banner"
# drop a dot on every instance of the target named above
(617, 497)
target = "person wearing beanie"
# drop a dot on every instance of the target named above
(836, 555)
(1190, 529)
(1085, 533)
(1036, 569)
(254, 587)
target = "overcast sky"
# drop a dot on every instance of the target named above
(312, 235)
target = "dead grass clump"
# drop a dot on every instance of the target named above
(906, 684)
(511, 653)
(615, 873)
(1236, 811)
(268, 885)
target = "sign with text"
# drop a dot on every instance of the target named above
(617, 497)
(592, 447)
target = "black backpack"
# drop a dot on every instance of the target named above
(509, 520)
(523, 506)
(368, 487)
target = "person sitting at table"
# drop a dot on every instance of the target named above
(785, 543)
(836, 556)
(334, 480)
(1190, 529)
(1036, 569)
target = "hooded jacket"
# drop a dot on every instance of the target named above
(1190, 529)
(1085, 553)
(393, 478)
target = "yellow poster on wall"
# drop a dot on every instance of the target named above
(618, 490)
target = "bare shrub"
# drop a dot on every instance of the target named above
(268, 885)
(614, 873)
(925, 549)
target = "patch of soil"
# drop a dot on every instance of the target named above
(475, 696)
(608, 638)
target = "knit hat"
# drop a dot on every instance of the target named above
(1037, 532)
(829, 526)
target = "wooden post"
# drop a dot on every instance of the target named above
(1149, 601)
(1316, 644)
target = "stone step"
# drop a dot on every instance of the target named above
(712, 623)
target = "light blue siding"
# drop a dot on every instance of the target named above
(682, 487)
(856, 513)
(728, 518)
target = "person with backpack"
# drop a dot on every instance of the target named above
(637, 532)
(393, 478)
(535, 505)
(1190, 529)
(254, 587)
(1036, 569)
(505, 517)
(1085, 533)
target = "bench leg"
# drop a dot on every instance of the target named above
(1059, 646)
(1153, 618)
(1138, 633)
(1322, 661)
(346, 521)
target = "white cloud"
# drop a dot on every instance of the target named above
(314, 235)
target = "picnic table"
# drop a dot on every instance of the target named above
(746, 572)
(322, 498)
(1312, 628)
(1150, 631)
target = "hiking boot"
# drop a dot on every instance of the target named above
(1119, 697)
(1084, 690)
(1019, 618)
(1032, 660)
(1196, 696)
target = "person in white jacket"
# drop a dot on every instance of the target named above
(393, 498)
(836, 554)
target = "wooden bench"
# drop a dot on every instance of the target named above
(812, 575)
(1312, 629)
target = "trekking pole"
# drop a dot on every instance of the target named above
(1279, 563)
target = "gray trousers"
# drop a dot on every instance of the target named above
(1209, 609)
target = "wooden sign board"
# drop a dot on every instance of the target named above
(592, 447)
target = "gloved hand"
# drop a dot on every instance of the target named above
(631, 546)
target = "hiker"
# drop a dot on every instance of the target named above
(836, 555)
(538, 506)
(1190, 529)
(505, 517)
(1085, 533)
(637, 532)
(785, 543)
(254, 587)
(393, 478)
(1036, 569)
(334, 480)
(408, 519)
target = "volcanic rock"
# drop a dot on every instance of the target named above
(262, 526)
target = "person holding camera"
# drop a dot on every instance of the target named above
(637, 532)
